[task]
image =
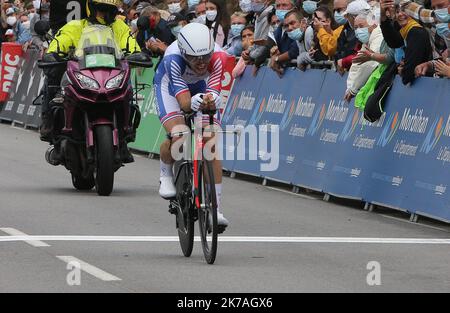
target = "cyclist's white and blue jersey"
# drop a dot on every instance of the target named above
(174, 77)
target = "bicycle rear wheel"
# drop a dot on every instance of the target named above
(208, 211)
(185, 210)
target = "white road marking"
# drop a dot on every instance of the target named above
(240, 239)
(17, 233)
(294, 194)
(90, 269)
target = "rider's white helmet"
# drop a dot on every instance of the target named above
(195, 40)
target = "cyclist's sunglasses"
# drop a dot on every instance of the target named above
(199, 59)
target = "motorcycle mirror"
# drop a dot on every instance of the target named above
(143, 23)
(140, 60)
(41, 27)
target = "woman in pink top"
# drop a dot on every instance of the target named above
(248, 36)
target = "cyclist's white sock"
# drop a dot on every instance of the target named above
(218, 196)
(166, 169)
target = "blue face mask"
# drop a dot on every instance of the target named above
(176, 30)
(296, 34)
(339, 18)
(399, 55)
(127, 2)
(281, 14)
(443, 30)
(258, 7)
(310, 6)
(362, 34)
(192, 3)
(442, 15)
(236, 29)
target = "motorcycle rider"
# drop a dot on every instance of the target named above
(101, 12)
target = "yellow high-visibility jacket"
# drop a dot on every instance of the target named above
(69, 36)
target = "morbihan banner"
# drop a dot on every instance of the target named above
(402, 161)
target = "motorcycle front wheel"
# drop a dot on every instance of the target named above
(104, 178)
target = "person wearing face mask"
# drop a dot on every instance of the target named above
(409, 39)
(309, 7)
(286, 48)
(238, 23)
(176, 22)
(328, 37)
(440, 39)
(299, 31)
(177, 6)
(42, 14)
(214, 20)
(371, 38)
(200, 13)
(22, 33)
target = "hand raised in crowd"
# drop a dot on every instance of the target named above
(442, 68)
(312, 52)
(401, 67)
(422, 69)
(156, 46)
(387, 9)
(348, 96)
(363, 56)
(246, 56)
(340, 68)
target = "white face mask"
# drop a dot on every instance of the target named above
(11, 20)
(26, 25)
(201, 19)
(175, 8)
(245, 5)
(134, 24)
(211, 15)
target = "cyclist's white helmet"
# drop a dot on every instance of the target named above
(195, 40)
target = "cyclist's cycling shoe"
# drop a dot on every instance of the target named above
(167, 189)
(222, 223)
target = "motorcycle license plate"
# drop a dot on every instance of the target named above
(100, 60)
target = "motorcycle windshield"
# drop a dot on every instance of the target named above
(98, 48)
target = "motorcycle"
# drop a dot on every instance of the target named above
(94, 115)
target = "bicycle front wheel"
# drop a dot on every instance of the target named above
(185, 210)
(208, 211)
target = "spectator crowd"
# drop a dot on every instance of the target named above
(366, 39)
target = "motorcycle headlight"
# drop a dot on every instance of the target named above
(87, 82)
(115, 82)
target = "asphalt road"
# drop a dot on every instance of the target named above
(322, 248)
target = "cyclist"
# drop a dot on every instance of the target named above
(191, 69)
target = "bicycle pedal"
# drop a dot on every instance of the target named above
(221, 229)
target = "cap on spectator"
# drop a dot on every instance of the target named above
(9, 33)
(174, 19)
(141, 6)
(10, 11)
(357, 7)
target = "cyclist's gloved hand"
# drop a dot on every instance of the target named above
(217, 100)
(196, 102)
